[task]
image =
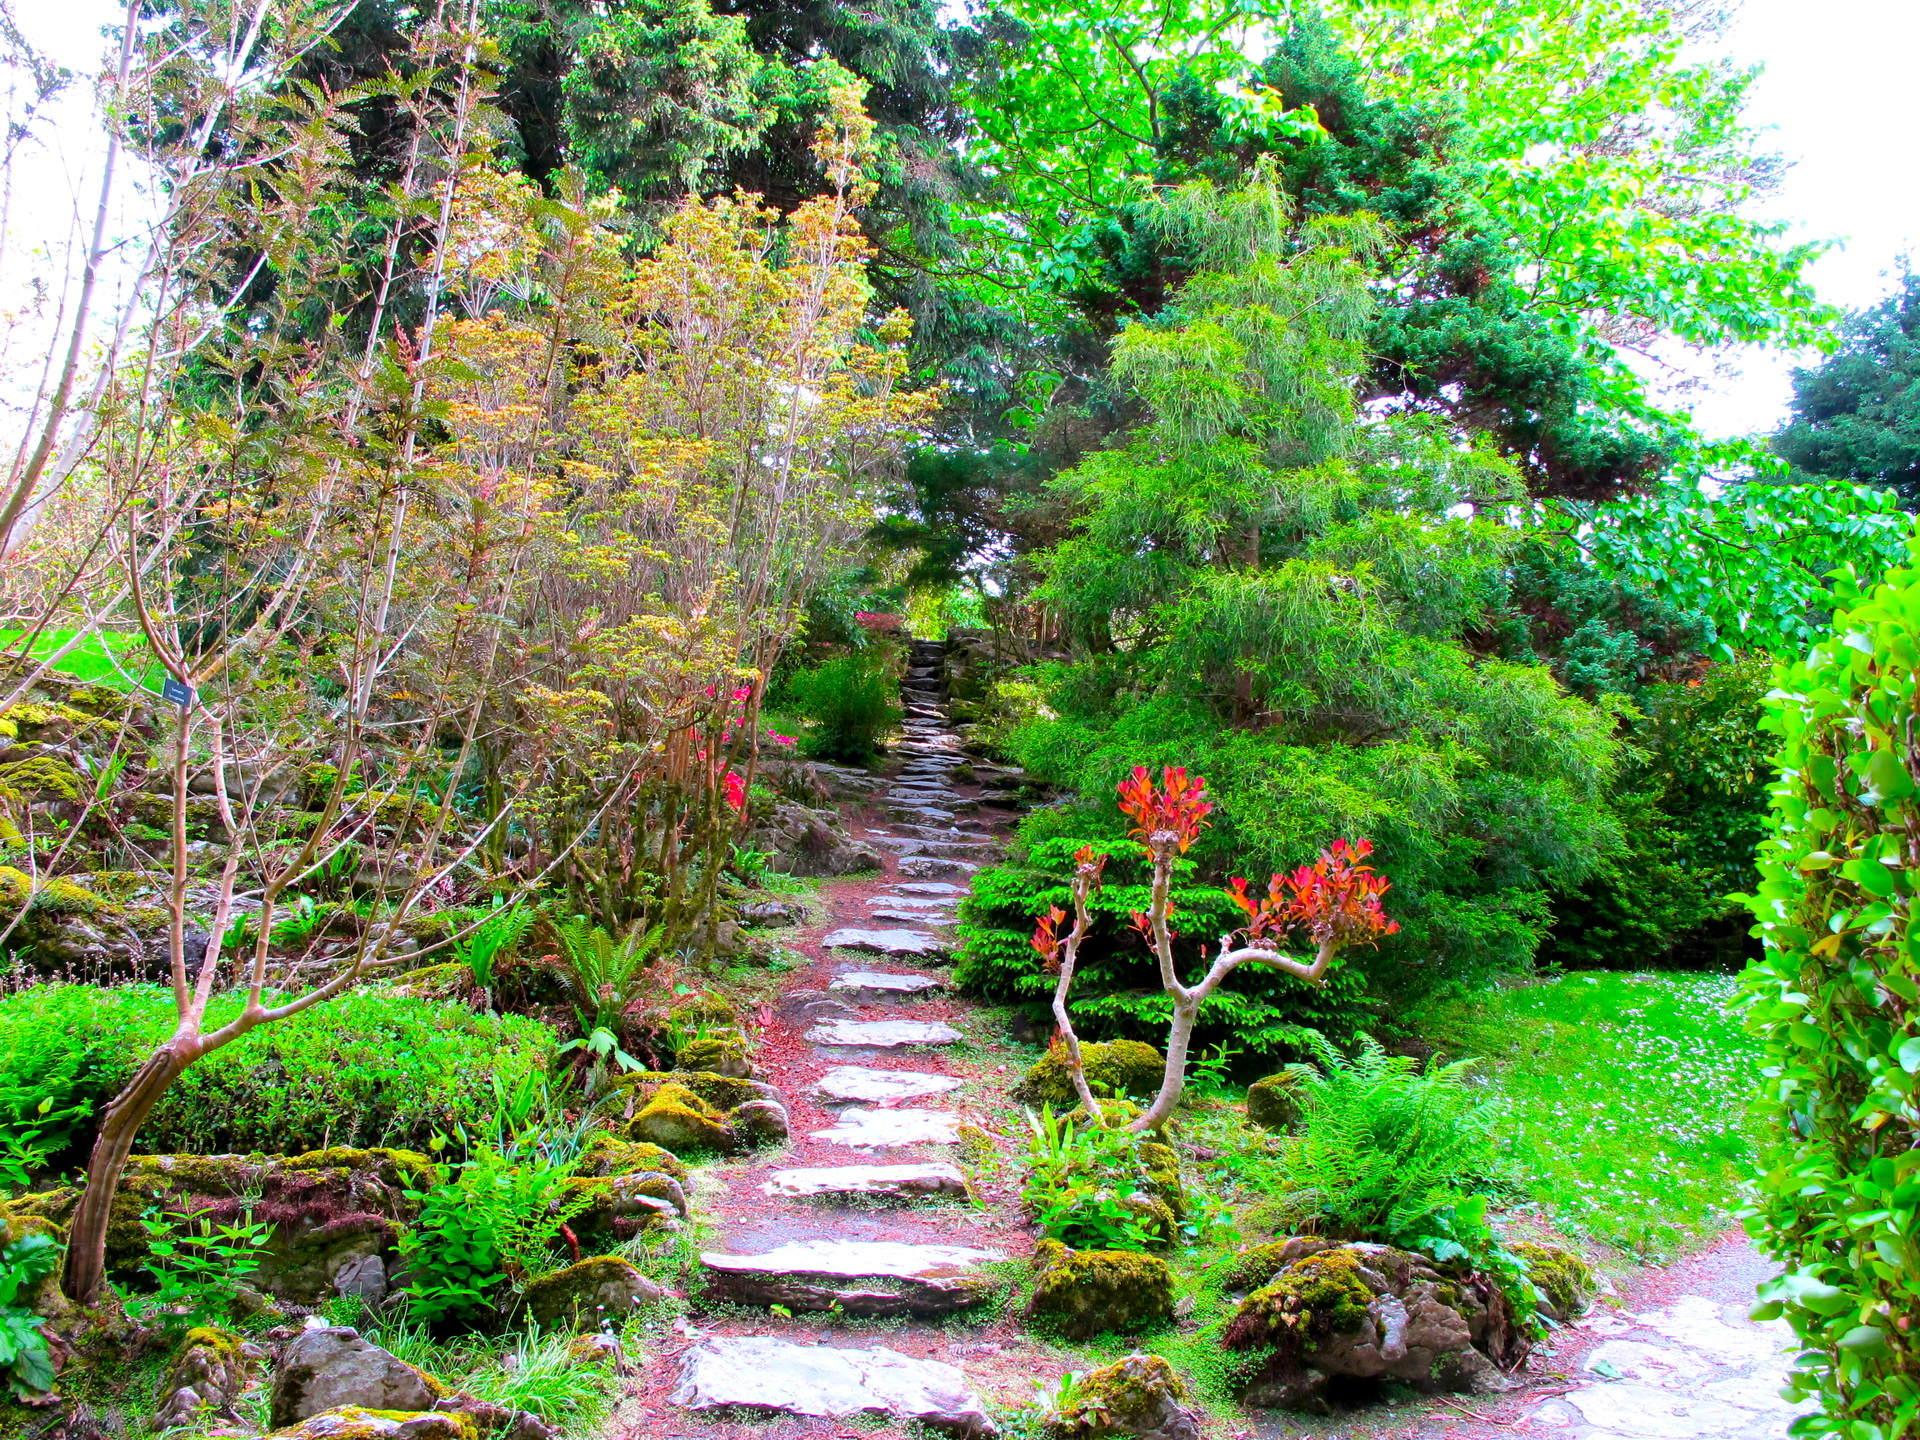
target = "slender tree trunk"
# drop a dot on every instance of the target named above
(86, 1267)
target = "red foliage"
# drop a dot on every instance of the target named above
(1179, 808)
(876, 621)
(1337, 899)
(736, 791)
(1046, 936)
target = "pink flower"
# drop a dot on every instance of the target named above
(736, 791)
(778, 738)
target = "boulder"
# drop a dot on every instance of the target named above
(772, 912)
(357, 1422)
(1371, 1312)
(206, 1377)
(1138, 1397)
(1079, 1294)
(594, 1294)
(1114, 1068)
(1274, 1103)
(1565, 1281)
(810, 842)
(328, 1366)
(692, 1112)
(676, 1119)
(726, 1053)
(620, 1207)
(334, 1212)
(761, 1374)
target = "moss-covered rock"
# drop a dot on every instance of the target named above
(1114, 1068)
(353, 1422)
(1256, 1265)
(1274, 1103)
(1138, 1396)
(676, 1119)
(605, 1155)
(616, 1208)
(1082, 1293)
(1312, 1299)
(1565, 1281)
(596, 1294)
(205, 1377)
(725, 1053)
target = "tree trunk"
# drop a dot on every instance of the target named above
(120, 1123)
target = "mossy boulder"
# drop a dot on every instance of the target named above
(1256, 1265)
(354, 1422)
(206, 1377)
(596, 1294)
(1138, 1397)
(1565, 1281)
(693, 1112)
(1114, 1068)
(725, 1053)
(619, 1207)
(1079, 1294)
(604, 1155)
(1274, 1103)
(676, 1119)
(1369, 1312)
(331, 1366)
(334, 1212)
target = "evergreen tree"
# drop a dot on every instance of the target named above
(1856, 416)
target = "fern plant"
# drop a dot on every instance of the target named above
(497, 933)
(1385, 1146)
(602, 971)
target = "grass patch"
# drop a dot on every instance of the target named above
(1629, 1099)
(101, 659)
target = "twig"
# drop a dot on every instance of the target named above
(1475, 1414)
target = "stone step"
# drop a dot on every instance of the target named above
(886, 942)
(884, 1034)
(908, 917)
(889, 1129)
(760, 1374)
(931, 887)
(934, 867)
(879, 987)
(863, 1277)
(885, 1182)
(862, 1083)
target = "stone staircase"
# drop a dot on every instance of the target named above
(869, 1226)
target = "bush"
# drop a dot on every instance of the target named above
(1384, 1148)
(1835, 1001)
(367, 1069)
(851, 700)
(1117, 1070)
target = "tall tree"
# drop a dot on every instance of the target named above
(1856, 415)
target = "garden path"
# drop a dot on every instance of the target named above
(843, 1263)
(1675, 1359)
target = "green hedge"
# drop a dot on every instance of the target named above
(365, 1069)
(1835, 999)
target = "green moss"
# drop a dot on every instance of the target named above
(1082, 1293)
(1118, 1399)
(354, 1422)
(405, 1169)
(696, 1010)
(1562, 1276)
(1114, 1068)
(55, 895)
(435, 982)
(1274, 1103)
(677, 1119)
(726, 1053)
(591, 1294)
(1311, 1299)
(605, 1155)
(39, 775)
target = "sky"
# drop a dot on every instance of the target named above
(1836, 98)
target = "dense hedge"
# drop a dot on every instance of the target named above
(365, 1069)
(1835, 997)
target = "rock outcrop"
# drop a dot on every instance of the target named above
(1079, 1294)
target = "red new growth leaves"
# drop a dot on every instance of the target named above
(1335, 900)
(1046, 936)
(1179, 808)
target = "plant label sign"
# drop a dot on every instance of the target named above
(179, 694)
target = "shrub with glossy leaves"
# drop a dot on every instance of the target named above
(1835, 999)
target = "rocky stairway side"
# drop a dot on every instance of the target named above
(867, 1214)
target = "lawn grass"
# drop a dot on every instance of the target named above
(1630, 1100)
(100, 659)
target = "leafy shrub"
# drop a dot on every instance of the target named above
(851, 700)
(1835, 1001)
(1118, 993)
(489, 1219)
(366, 1069)
(1090, 1186)
(25, 1363)
(1384, 1148)
(198, 1268)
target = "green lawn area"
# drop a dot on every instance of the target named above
(92, 660)
(1629, 1099)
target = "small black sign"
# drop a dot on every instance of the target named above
(172, 689)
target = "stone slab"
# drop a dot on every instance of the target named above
(888, 1129)
(760, 1373)
(862, 1277)
(885, 1182)
(875, 985)
(862, 1083)
(932, 887)
(886, 942)
(933, 867)
(909, 917)
(884, 1034)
